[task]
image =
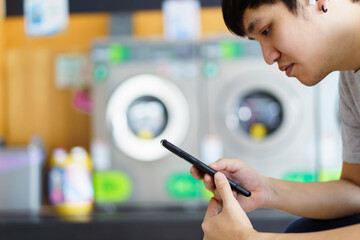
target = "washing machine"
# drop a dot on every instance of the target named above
(256, 114)
(145, 91)
(330, 144)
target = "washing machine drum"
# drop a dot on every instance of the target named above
(259, 114)
(147, 117)
(143, 110)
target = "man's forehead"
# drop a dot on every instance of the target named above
(251, 18)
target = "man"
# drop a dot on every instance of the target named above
(306, 44)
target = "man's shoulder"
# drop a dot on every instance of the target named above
(349, 75)
(349, 81)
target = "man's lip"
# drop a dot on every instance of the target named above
(288, 70)
(283, 68)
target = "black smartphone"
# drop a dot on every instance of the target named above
(200, 165)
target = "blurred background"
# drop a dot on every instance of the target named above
(88, 89)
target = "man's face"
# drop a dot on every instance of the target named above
(295, 42)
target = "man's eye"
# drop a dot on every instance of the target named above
(266, 31)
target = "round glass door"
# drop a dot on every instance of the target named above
(259, 114)
(144, 109)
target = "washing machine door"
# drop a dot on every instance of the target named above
(143, 110)
(261, 110)
(258, 113)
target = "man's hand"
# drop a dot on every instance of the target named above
(245, 176)
(224, 218)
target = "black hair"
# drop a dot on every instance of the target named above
(233, 11)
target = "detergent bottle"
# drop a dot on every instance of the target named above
(70, 182)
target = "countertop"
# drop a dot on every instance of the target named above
(127, 224)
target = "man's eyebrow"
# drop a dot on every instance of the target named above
(253, 24)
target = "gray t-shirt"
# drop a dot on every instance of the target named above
(349, 110)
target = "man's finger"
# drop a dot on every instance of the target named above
(209, 183)
(196, 173)
(224, 189)
(212, 209)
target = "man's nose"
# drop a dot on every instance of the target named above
(270, 53)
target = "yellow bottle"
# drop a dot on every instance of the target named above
(70, 182)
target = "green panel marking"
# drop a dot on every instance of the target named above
(184, 186)
(119, 53)
(299, 177)
(210, 70)
(230, 49)
(100, 73)
(329, 175)
(112, 186)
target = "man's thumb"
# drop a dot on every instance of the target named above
(224, 189)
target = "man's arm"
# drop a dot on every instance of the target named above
(231, 222)
(350, 232)
(319, 200)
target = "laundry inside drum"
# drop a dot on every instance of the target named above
(259, 114)
(147, 117)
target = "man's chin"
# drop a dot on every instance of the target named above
(310, 80)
